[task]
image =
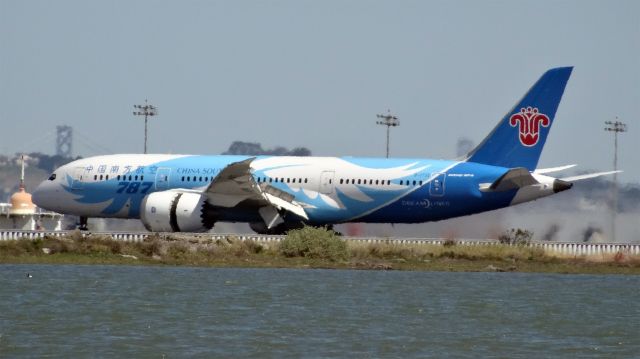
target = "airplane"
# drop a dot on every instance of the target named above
(274, 194)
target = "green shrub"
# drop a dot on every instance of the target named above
(177, 251)
(313, 242)
(150, 246)
(20, 247)
(449, 242)
(252, 247)
(516, 236)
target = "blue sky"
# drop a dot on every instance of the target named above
(315, 73)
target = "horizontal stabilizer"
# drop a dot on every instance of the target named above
(512, 179)
(553, 169)
(588, 175)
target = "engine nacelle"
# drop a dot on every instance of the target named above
(171, 211)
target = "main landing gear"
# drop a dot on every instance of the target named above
(83, 224)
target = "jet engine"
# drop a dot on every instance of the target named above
(171, 211)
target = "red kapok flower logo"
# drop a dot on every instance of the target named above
(530, 121)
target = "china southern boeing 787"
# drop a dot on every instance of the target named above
(273, 194)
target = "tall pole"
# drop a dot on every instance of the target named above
(22, 172)
(145, 110)
(145, 134)
(388, 120)
(615, 127)
(388, 128)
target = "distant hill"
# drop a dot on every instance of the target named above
(255, 149)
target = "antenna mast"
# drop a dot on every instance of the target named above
(145, 110)
(388, 120)
(615, 127)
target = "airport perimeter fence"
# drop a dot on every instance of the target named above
(557, 248)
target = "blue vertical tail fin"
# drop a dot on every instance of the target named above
(518, 139)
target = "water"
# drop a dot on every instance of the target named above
(155, 312)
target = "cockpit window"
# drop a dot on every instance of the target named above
(52, 177)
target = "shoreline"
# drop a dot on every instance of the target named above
(460, 266)
(96, 250)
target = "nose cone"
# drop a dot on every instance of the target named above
(43, 195)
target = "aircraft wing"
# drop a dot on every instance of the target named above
(235, 183)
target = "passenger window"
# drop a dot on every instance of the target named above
(106, 177)
(129, 177)
(189, 179)
(95, 177)
(299, 180)
(414, 183)
(287, 180)
(142, 178)
(376, 181)
(182, 178)
(388, 182)
(341, 180)
(281, 179)
(370, 181)
(400, 182)
(100, 177)
(420, 183)
(359, 181)
(305, 180)
(136, 177)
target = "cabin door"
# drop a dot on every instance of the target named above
(326, 182)
(78, 176)
(162, 178)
